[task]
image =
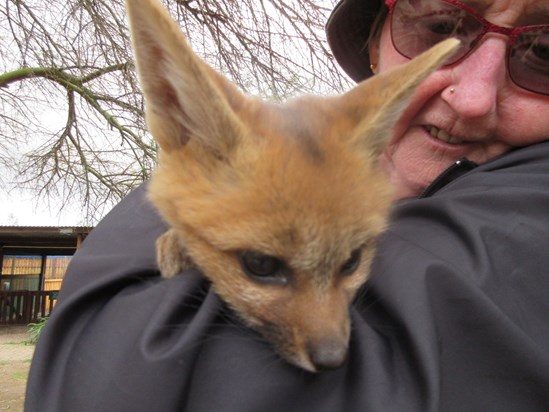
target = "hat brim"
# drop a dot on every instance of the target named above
(347, 31)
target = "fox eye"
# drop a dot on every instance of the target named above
(264, 268)
(352, 263)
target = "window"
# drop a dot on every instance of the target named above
(24, 272)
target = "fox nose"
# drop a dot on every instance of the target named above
(328, 354)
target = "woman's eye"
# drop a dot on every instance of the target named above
(351, 265)
(446, 28)
(263, 268)
(541, 51)
(531, 50)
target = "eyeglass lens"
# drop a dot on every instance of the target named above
(417, 25)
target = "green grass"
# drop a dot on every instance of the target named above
(19, 376)
(14, 343)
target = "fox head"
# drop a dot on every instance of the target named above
(278, 204)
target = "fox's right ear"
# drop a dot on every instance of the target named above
(185, 99)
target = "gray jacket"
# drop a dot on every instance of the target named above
(454, 318)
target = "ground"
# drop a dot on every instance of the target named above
(15, 358)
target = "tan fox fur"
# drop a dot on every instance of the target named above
(278, 204)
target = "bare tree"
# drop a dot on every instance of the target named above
(72, 124)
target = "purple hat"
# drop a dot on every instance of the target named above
(347, 30)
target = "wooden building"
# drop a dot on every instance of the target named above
(33, 261)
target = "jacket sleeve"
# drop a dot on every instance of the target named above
(461, 287)
(454, 317)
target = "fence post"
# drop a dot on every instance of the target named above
(28, 301)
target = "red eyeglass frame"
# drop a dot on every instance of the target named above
(487, 27)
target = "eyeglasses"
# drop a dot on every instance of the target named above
(417, 25)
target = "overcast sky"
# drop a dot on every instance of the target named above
(20, 209)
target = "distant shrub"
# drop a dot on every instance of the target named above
(35, 329)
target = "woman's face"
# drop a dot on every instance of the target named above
(471, 109)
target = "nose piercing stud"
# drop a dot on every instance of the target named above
(452, 90)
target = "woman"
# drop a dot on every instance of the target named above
(455, 315)
(478, 107)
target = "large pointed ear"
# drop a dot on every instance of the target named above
(380, 101)
(185, 99)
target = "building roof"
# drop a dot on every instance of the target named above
(53, 240)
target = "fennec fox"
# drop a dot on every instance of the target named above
(278, 204)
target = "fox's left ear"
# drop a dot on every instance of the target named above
(185, 99)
